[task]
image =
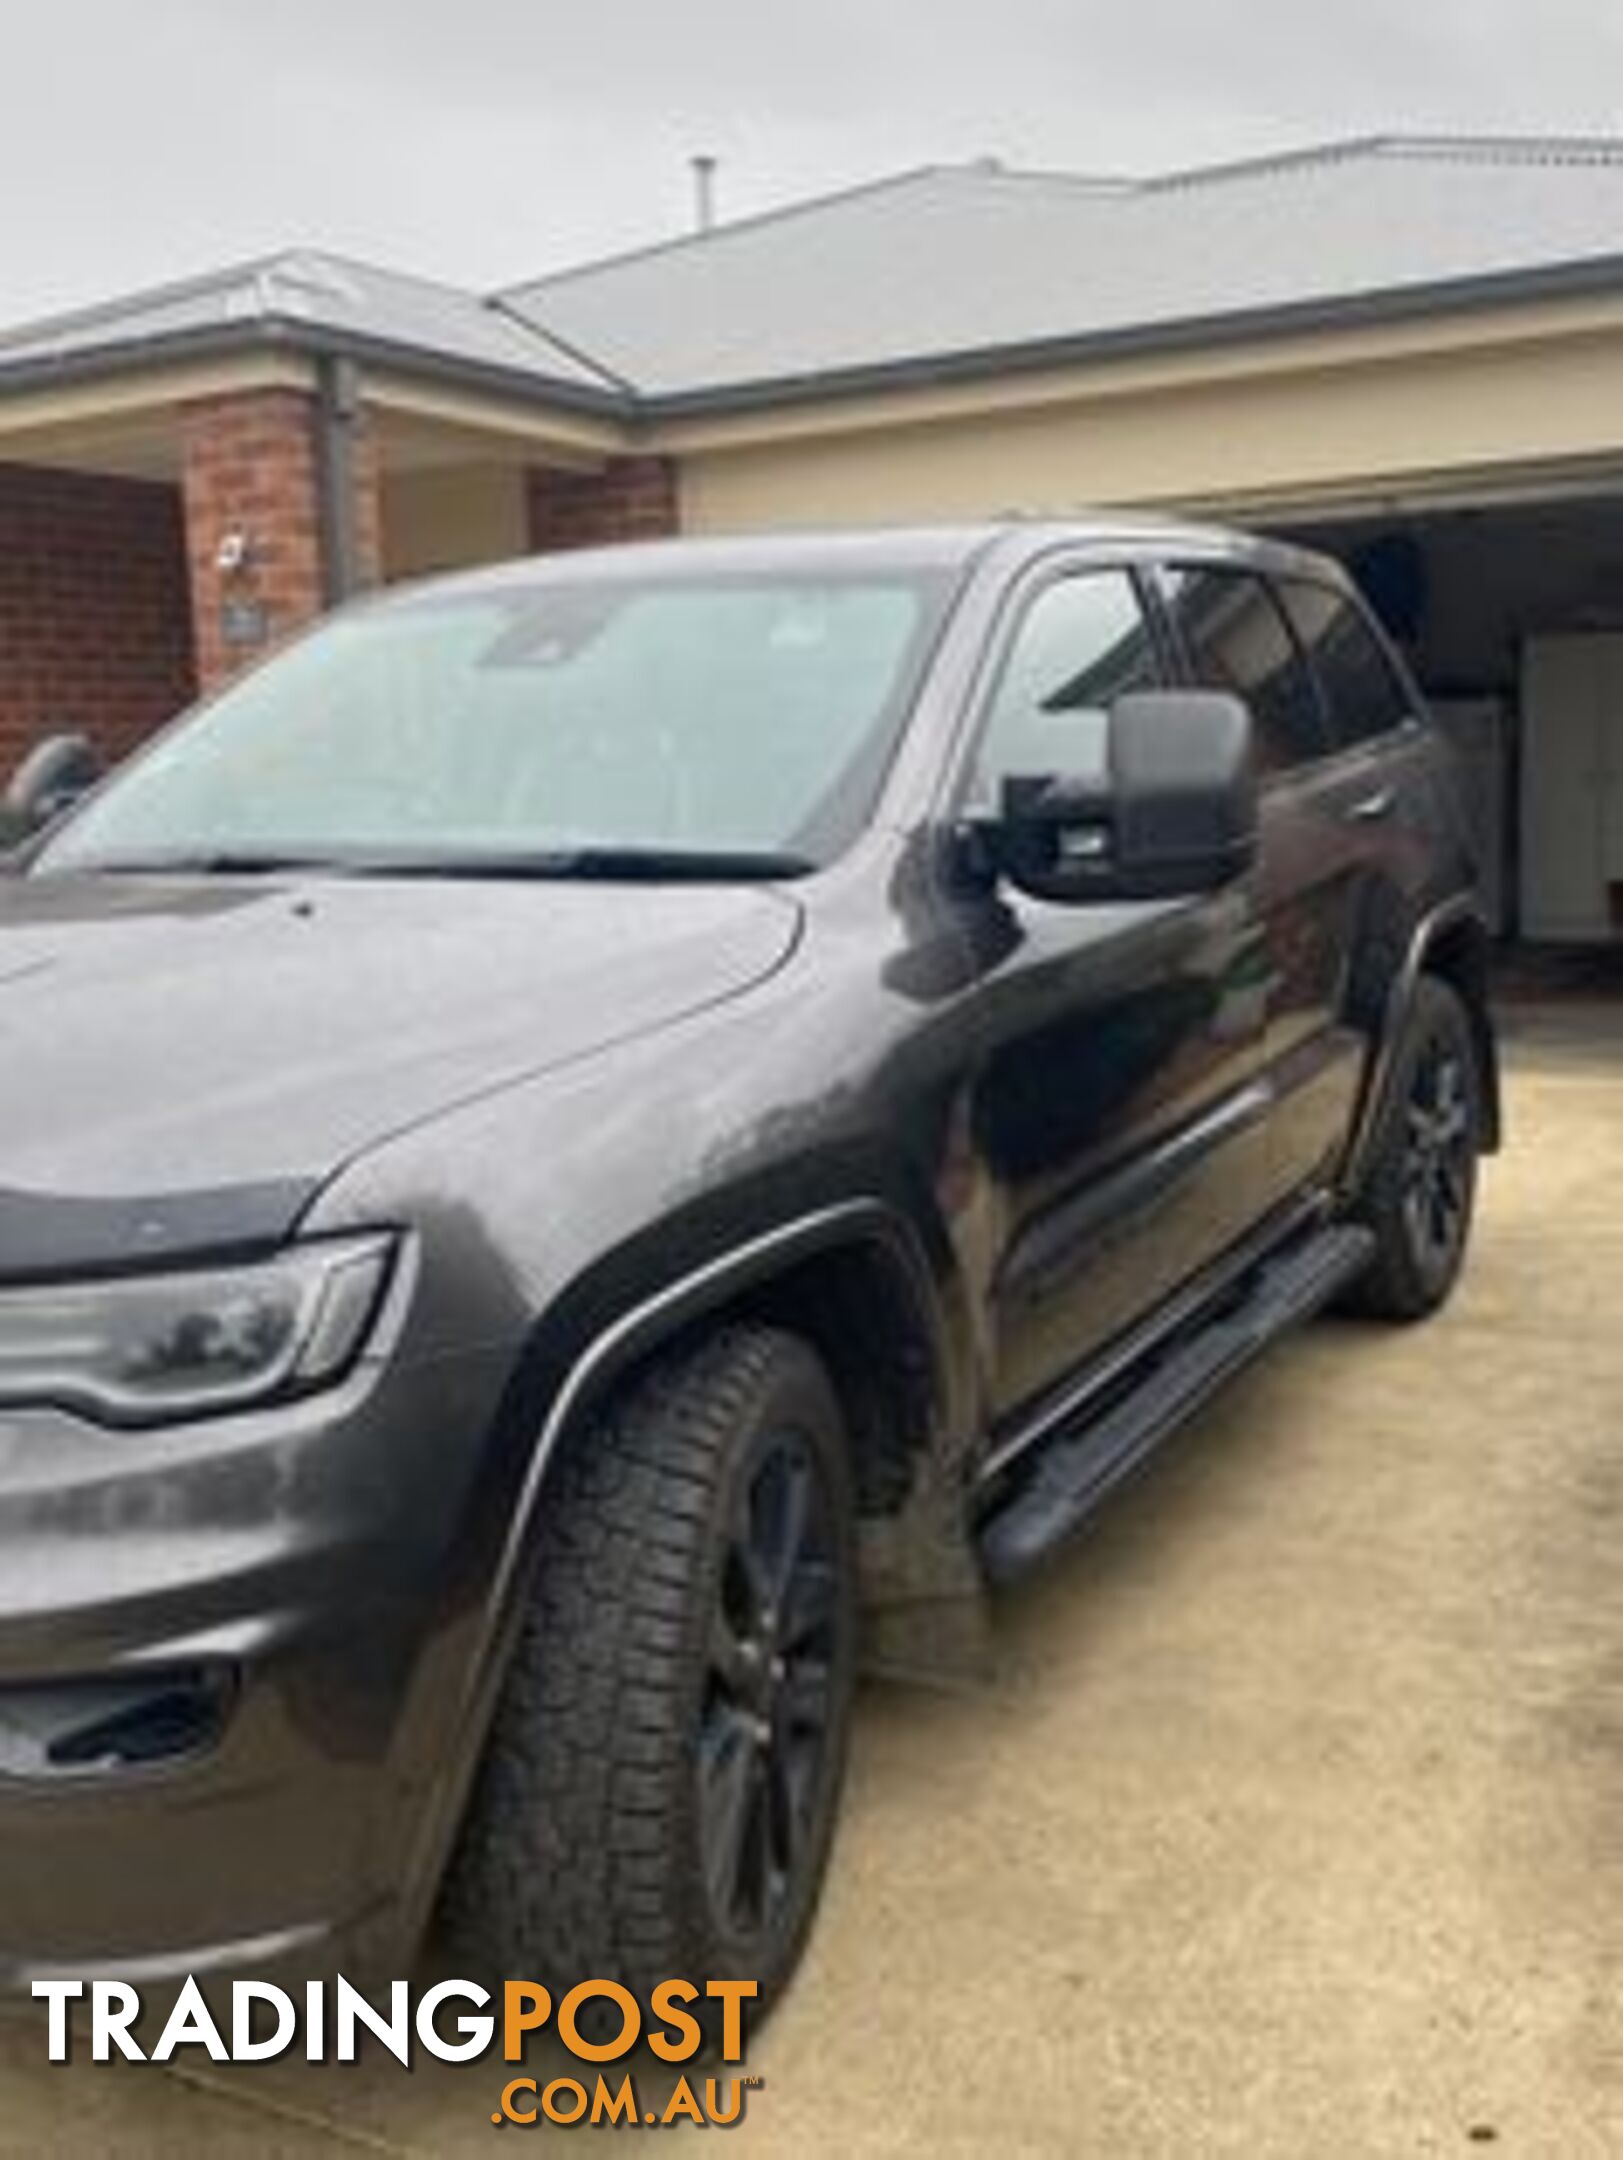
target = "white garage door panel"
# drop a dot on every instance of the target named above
(1572, 784)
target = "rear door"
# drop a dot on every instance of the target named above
(1372, 806)
(1115, 1104)
(1234, 635)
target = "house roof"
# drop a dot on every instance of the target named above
(325, 302)
(961, 265)
(943, 269)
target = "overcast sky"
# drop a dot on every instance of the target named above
(484, 140)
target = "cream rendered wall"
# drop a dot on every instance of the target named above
(1310, 432)
(444, 517)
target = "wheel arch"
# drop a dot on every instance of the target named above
(1451, 942)
(1458, 952)
(853, 1277)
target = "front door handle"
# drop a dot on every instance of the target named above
(1370, 809)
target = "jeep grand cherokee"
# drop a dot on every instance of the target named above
(602, 1137)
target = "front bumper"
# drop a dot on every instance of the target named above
(317, 1570)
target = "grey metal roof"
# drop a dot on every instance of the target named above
(960, 263)
(948, 267)
(324, 301)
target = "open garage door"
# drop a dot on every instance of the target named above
(1511, 615)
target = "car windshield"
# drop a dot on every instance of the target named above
(564, 725)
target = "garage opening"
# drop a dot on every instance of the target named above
(1511, 615)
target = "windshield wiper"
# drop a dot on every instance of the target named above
(649, 865)
(212, 862)
(631, 865)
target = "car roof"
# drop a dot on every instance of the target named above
(873, 550)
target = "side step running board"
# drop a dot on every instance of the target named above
(1073, 1472)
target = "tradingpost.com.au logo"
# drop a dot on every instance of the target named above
(457, 2021)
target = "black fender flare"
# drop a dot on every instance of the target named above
(1452, 940)
(610, 1354)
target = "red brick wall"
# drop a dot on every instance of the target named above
(632, 498)
(95, 626)
(249, 464)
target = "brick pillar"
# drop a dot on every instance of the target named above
(250, 469)
(631, 498)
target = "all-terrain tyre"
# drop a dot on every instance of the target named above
(1420, 1185)
(664, 1767)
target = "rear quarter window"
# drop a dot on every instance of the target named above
(1234, 637)
(1363, 693)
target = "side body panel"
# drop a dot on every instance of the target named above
(1115, 1118)
(1316, 877)
(1358, 840)
(1114, 1109)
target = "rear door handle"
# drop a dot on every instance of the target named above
(1370, 809)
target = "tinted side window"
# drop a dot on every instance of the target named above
(1082, 643)
(1361, 687)
(1236, 639)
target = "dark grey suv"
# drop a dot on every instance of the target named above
(601, 1138)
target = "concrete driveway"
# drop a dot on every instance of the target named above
(1296, 1823)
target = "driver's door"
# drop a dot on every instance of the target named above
(1116, 1101)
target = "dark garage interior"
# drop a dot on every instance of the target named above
(1511, 615)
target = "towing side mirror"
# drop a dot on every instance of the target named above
(50, 779)
(1174, 813)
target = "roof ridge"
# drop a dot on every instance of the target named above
(1092, 183)
(343, 260)
(1325, 152)
(1510, 148)
(1528, 149)
(780, 213)
(543, 334)
(536, 334)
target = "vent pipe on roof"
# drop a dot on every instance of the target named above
(704, 191)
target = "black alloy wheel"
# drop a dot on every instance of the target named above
(769, 1690)
(1440, 1156)
(1419, 1187)
(663, 1773)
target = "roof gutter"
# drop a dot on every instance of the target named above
(230, 340)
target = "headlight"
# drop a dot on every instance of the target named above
(135, 1349)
